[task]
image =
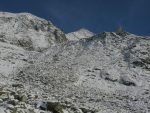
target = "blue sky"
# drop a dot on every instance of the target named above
(95, 15)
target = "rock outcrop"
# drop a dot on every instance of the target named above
(80, 34)
(28, 31)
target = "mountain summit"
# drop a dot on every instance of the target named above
(80, 34)
(43, 70)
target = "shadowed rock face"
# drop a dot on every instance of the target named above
(104, 73)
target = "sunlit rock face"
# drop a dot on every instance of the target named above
(80, 34)
(45, 71)
(28, 31)
(23, 34)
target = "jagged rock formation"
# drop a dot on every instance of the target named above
(80, 34)
(105, 73)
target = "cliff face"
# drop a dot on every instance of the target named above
(103, 73)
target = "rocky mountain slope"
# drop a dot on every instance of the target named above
(23, 34)
(104, 73)
(28, 31)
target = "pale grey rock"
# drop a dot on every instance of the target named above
(80, 34)
(3, 110)
(1, 101)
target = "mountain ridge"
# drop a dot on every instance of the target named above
(28, 26)
(106, 72)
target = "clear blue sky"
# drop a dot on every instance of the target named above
(95, 15)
